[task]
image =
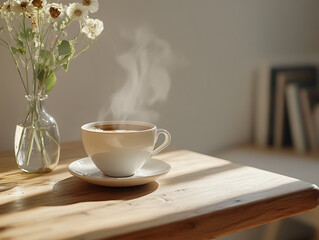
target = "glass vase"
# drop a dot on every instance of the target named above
(37, 139)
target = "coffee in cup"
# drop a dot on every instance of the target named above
(119, 149)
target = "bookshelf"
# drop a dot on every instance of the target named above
(287, 107)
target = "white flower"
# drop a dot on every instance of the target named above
(54, 10)
(6, 9)
(76, 11)
(22, 6)
(92, 5)
(93, 28)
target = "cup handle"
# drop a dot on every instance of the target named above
(164, 144)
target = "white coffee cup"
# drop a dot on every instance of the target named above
(119, 149)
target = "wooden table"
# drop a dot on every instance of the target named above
(200, 198)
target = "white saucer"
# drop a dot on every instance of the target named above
(86, 170)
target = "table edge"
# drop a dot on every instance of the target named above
(185, 228)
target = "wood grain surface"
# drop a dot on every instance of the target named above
(202, 197)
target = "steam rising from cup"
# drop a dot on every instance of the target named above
(147, 82)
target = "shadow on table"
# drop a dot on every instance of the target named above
(11, 179)
(7, 186)
(71, 191)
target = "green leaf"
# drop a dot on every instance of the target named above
(22, 51)
(65, 63)
(14, 50)
(50, 82)
(65, 48)
(27, 34)
(41, 73)
(46, 58)
(66, 66)
(44, 54)
(20, 43)
(66, 51)
(1, 29)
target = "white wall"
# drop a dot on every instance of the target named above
(220, 41)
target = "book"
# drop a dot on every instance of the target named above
(261, 110)
(304, 78)
(316, 122)
(309, 98)
(298, 131)
(274, 72)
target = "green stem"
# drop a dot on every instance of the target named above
(20, 141)
(80, 53)
(37, 141)
(24, 127)
(41, 146)
(30, 147)
(59, 35)
(26, 66)
(19, 72)
(32, 132)
(56, 41)
(43, 150)
(83, 51)
(39, 25)
(52, 138)
(16, 63)
(40, 130)
(4, 43)
(30, 54)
